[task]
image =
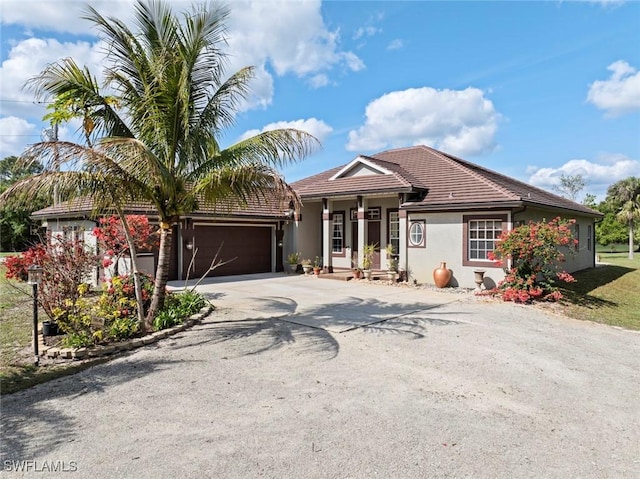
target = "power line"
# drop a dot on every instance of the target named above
(33, 102)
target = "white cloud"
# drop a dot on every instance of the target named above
(366, 32)
(607, 3)
(27, 59)
(598, 174)
(291, 37)
(461, 122)
(319, 80)
(267, 35)
(395, 44)
(15, 133)
(53, 16)
(315, 127)
(620, 93)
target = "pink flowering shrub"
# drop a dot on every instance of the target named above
(535, 254)
(112, 239)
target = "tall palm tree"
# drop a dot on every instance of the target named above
(157, 124)
(626, 195)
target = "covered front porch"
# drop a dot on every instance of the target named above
(335, 230)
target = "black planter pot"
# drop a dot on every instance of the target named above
(49, 328)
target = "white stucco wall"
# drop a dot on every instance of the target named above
(308, 232)
(84, 229)
(57, 227)
(444, 243)
(579, 259)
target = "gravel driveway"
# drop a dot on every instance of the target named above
(439, 385)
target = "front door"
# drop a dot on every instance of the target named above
(373, 237)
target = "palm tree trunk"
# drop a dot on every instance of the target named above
(630, 239)
(133, 253)
(162, 276)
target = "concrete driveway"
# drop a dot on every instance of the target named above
(447, 386)
(335, 306)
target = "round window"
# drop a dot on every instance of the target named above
(416, 234)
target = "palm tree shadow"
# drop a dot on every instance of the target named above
(354, 312)
(256, 335)
(414, 325)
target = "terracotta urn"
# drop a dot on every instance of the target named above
(441, 275)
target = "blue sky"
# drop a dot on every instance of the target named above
(531, 89)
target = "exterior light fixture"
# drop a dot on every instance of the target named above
(34, 278)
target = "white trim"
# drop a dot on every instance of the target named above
(234, 224)
(363, 161)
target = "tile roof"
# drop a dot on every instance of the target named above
(449, 182)
(322, 185)
(257, 208)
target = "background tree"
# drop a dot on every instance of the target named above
(624, 196)
(570, 186)
(158, 138)
(15, 224)
(590, 201)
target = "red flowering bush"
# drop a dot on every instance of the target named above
(67, 264)
(112, 239)
(534, 251)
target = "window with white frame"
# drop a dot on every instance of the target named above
(337, 242)
(394, 230)
(416, 234)
(482, 236)
(589, 234)
(576, 236)
(71, 233)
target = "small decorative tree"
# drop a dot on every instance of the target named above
(112, 239)
(367, 256)
(535, 253)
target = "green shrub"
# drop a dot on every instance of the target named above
(122, 328)
(177, 308)
(75, 319)
(78, 340)
(167, 318)
(117, 307)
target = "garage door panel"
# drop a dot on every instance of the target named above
(247, 248)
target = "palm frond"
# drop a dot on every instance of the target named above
(275, 147)
(240, 185)
(65, 79)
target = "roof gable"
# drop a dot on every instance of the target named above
(360, 166)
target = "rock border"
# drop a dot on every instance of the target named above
(91, 352)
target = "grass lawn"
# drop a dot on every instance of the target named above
(607, 294)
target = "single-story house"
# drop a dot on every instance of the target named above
(431, 207)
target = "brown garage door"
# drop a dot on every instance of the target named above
(250, 245)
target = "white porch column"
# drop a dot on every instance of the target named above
(326, 232)
(362, 227)
(403, 260)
